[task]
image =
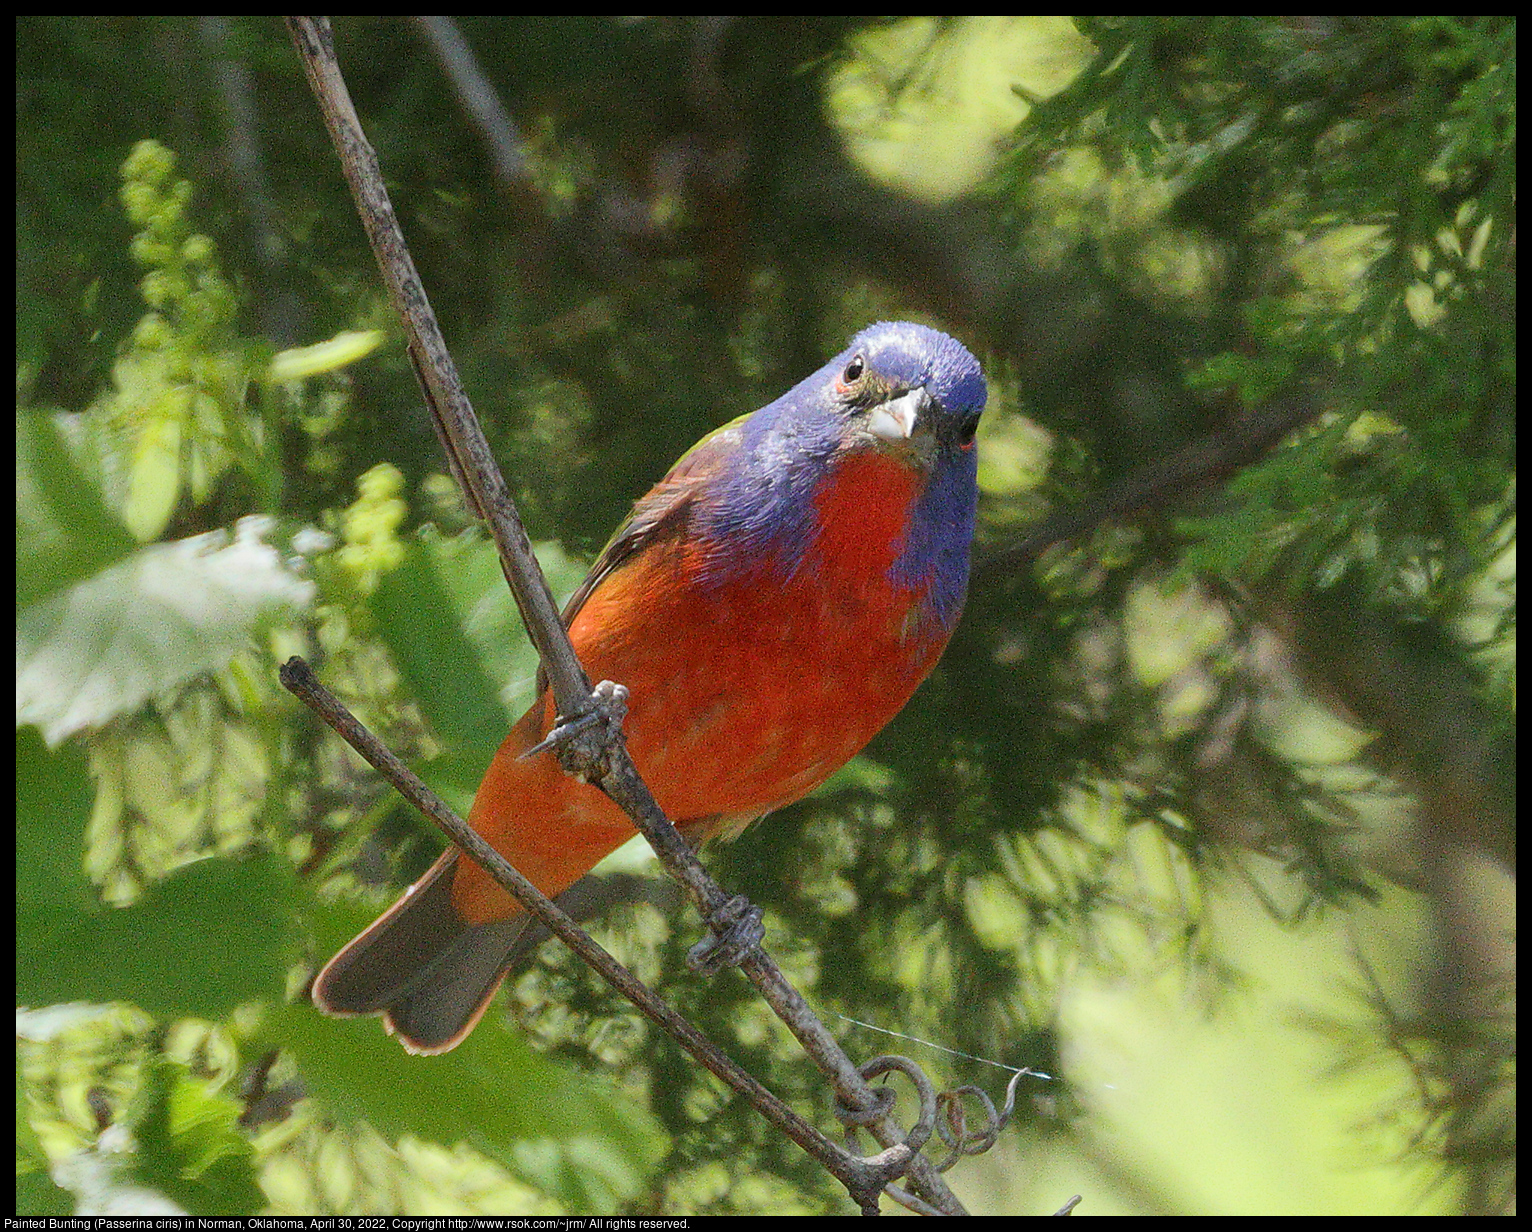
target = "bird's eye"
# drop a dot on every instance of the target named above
(853, 372)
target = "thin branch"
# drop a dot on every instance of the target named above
(856, 1173)
(479, 100)
(1192, 468)
(596, 752)
(467, 451)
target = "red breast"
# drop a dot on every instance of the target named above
(745, 693)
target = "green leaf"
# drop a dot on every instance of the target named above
(439, 664)
(36, 1192)
(346, 347)
(457, 666)
(189, 1146)
(164, 614)
(155, 478)
(209, 937)
(565, 1130)
(53, 805)
(64, 531)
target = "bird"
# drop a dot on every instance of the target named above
(769, 605)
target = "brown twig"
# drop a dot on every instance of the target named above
(1192, 468)
(859, 1175)
(478, 98)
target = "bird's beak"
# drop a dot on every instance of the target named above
(895, 420)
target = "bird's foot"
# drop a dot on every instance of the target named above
(733, 931)
(583, 744)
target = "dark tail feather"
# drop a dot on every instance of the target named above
(595, 895)
(431, 974)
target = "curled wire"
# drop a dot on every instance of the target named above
(944, 1113)
(920, 1132)
(953, 1123)
(952, 1127)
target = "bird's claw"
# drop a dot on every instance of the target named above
(734, 930)
(583, 743)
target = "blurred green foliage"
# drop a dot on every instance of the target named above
(1281, 676)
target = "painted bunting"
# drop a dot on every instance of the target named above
(770, 605)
